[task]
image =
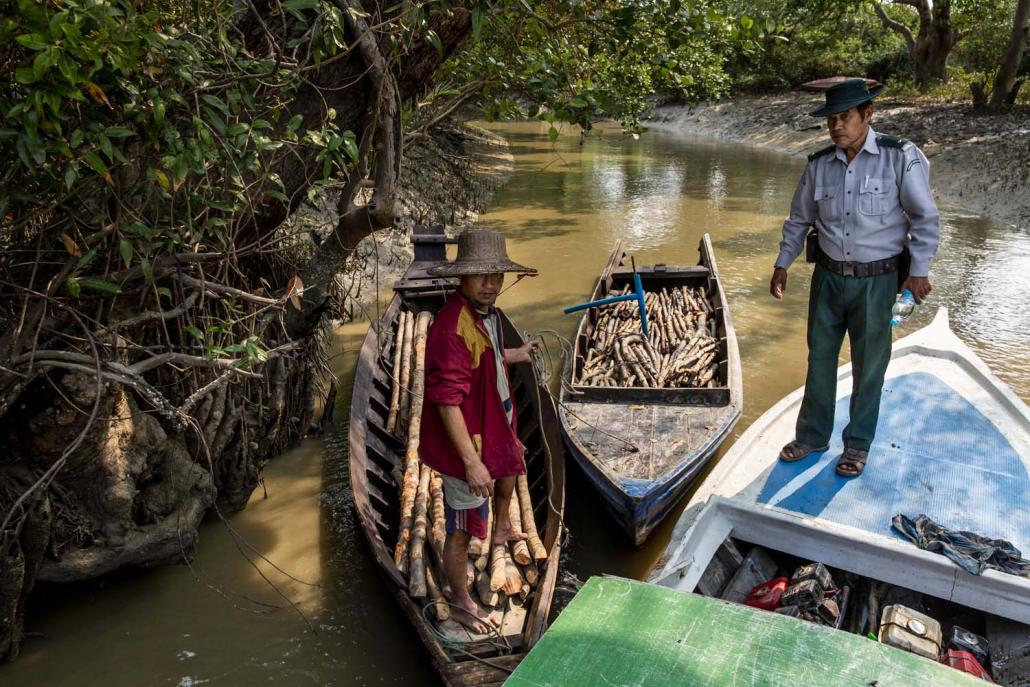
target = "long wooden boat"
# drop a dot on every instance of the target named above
(376, 457)
(953, 443)
(640, 447)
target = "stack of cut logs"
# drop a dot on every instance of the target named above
(496, 574)
(681, 351)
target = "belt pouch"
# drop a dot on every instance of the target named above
(812, 245)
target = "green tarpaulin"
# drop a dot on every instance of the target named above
(621, 632)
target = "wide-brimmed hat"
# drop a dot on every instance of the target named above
(846, 95)
(480, 251)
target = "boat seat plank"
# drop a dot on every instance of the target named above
(623, 632)
(492, 670)
(386, 458)
(380, 439)
(655, 273)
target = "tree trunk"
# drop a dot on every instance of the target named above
(931, 56)
(980, 94)
(933, 42)
(1005, 84)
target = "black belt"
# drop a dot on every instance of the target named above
(858, 269)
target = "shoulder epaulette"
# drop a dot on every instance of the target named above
(889, 141)
(823, 151)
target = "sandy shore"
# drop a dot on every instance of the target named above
(980, 164)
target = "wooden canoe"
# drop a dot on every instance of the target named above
(674, 431)
(376, 455)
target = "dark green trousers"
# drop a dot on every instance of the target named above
(860, 307)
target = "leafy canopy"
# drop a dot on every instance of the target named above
(583, 60)
(133, 131)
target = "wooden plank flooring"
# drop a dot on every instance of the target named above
(664, 435)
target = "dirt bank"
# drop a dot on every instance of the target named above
(980, 163)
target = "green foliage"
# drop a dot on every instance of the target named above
(89, 85)
(579, 60)
(811, 40)
(818, 39)
(133, 131)
(980, 50)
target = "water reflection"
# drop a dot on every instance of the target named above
(716, 189)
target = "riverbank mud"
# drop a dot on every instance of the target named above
(979, 162)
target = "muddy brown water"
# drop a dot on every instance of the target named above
(219, 622)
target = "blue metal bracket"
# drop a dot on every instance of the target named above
(637, 295)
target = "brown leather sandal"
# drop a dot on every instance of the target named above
(797, 450)
(852, 462)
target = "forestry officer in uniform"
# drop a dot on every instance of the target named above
(468, 420)
(868, 197)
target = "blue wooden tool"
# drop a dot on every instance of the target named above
(637, 295)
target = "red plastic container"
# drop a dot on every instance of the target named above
(767, 594)
(966, 662)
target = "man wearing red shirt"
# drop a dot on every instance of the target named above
(468, 419)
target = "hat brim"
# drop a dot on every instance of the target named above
(460, 269)
(827, 110)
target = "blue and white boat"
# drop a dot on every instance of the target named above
(642, 448)
(953, 443)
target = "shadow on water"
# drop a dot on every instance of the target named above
(378, 644)
(544, 228)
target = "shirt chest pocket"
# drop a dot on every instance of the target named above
(876, 196)
(828, 199)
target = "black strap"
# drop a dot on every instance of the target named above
(858, 269)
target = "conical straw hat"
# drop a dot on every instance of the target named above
(480, 251)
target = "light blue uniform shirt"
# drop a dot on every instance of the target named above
(865, 210)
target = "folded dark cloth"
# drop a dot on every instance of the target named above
(972, 552)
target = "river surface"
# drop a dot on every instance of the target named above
(330, 619)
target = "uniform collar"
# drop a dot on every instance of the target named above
(870, 146)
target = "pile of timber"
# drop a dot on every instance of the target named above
(682, 350)
(496, 575)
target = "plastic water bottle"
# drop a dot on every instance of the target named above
(903, 308)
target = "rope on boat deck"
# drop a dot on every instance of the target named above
(541, 376)
(543, 369)
(458, 645)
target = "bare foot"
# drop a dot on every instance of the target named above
(469, 614)
(504, 534)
